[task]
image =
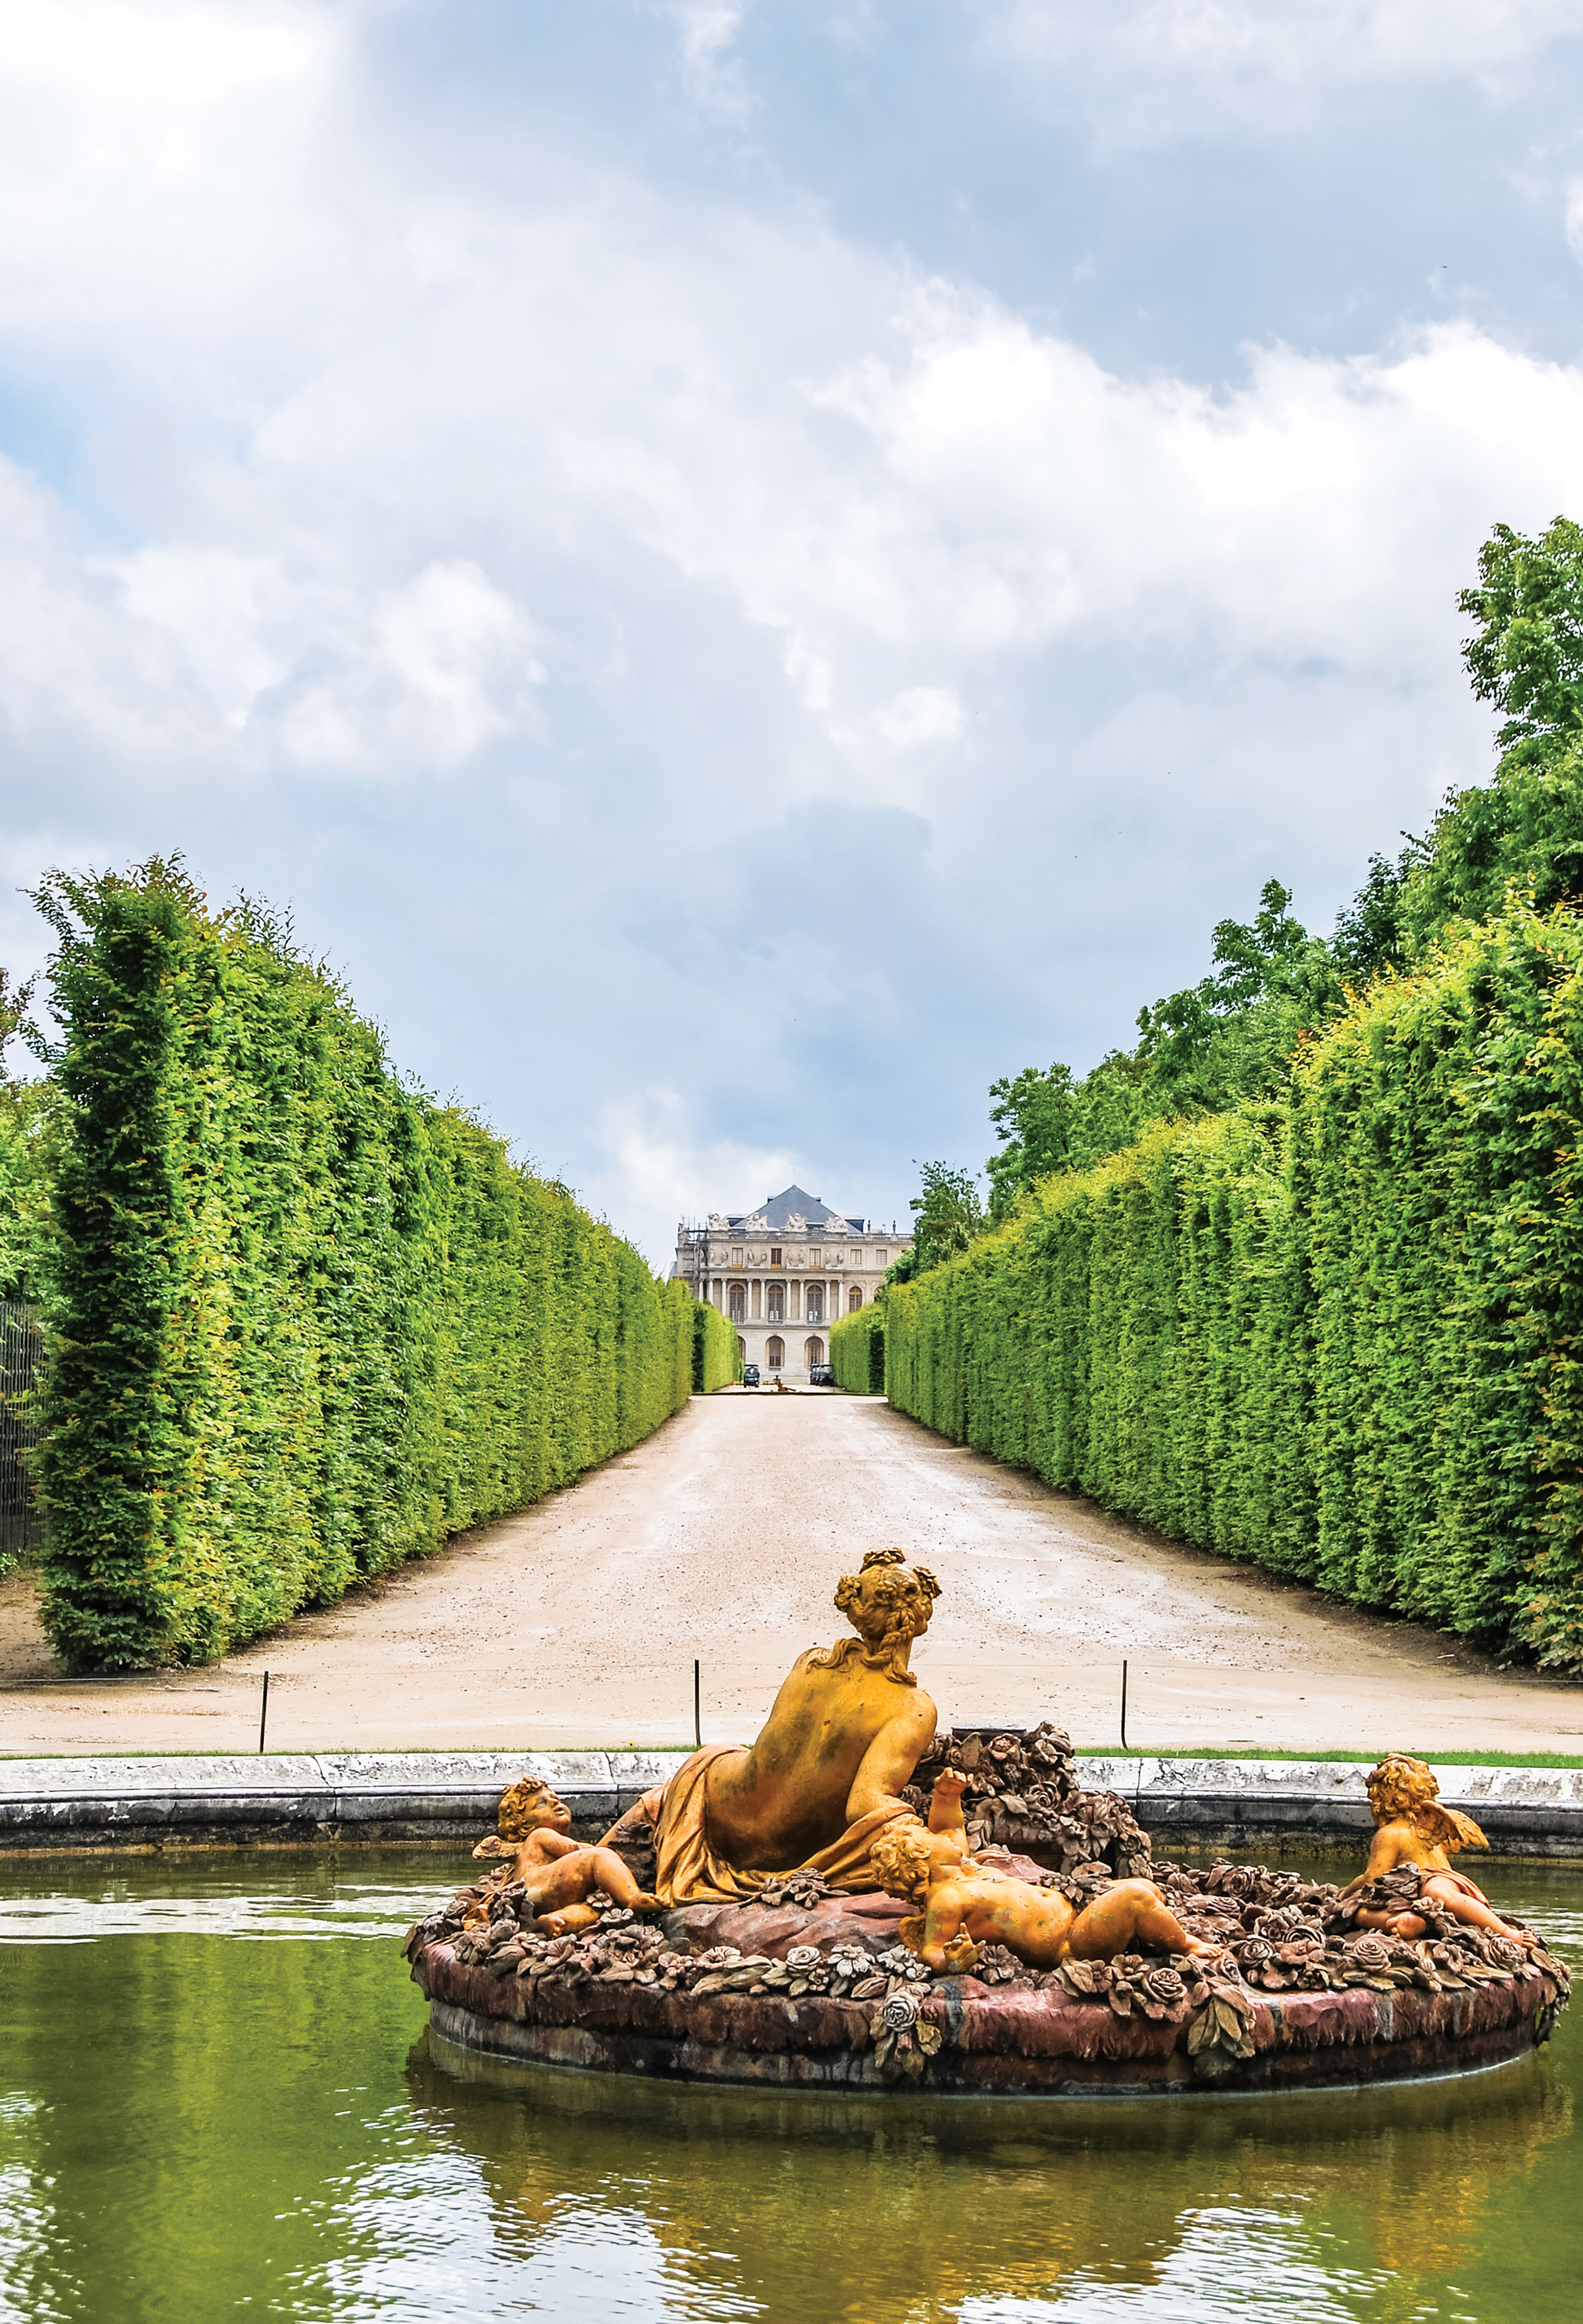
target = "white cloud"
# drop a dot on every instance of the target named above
(679, 540)
(1574, 216)
(1169, 67)
(654, 1173)
(707, 30)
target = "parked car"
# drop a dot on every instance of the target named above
(821, 1376)
(749, 1375)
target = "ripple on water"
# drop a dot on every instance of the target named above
(232, 2120)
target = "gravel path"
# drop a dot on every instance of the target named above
(721, 1538)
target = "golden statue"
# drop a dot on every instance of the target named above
(1413, 1828)
(821, 1783)
(558, 1873)
(963, 1903)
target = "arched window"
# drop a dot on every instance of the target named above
(739, 1302)
(775, 1303)
(814, 1353)
(815, 1313)
(854, 1300)
(774, 1354)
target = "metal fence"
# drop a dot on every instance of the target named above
(21, 1345)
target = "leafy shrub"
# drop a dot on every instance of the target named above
(307, 1323)
(1338, 1333)
(857, 1351)
(717, 1358)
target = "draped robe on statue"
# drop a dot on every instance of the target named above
(688, 1870)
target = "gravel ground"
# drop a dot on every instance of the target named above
(723, 1539)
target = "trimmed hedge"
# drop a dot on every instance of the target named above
(1341, 1336)
(857, 1351)
(717, 1358)
(307, 1323)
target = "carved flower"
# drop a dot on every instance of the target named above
(802, 1955)
(1163, 1985)
(1253, 1953)
(899, 2012)
(1369, 1953)
(1502, 1952)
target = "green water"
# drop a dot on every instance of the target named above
(218, 2098)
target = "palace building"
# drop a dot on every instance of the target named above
(783, 1273)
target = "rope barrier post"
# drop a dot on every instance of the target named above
(263, 1712)
(697, 1709)
(1124, 1706)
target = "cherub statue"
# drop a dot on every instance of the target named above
(963, 1903)
(557, 1873)
(1413, 1828)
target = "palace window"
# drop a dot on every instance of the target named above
(774, 1354)
(736, 1256)
(776, 1305)
(814, 1353)
(816, 1258)
(739, 1302)
(815, 1303)
(775, 1254)
(854, 1300)
(882, 1258)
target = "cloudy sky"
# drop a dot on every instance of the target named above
(749, 566)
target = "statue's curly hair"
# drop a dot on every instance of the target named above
(1404, 1790)
(522, 1808)
(887, 1619)
(899, 1858)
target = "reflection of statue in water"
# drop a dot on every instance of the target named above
(1413, 1828)
(557, 1873)
(963, 1903)
(822, 1780)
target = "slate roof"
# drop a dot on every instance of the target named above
(779, 1209)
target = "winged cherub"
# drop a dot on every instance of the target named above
(557, 1873)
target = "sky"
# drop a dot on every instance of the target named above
(745, 567)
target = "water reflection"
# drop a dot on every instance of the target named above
(193, 2126)
(1337, 2205)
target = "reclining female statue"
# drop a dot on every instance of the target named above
(822, 1780)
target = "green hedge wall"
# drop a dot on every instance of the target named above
(308, 1323)
(1341, 1336)
(716, 1356)
(857, 1351)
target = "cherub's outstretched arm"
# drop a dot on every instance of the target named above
(946, 1807)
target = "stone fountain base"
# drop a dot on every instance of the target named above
(611, 2012)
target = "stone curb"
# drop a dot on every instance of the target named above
(364, 1799)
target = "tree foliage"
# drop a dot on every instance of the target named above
(309, 1324)
(1338, 1333)
(1298, 1278)
(950, 1217)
